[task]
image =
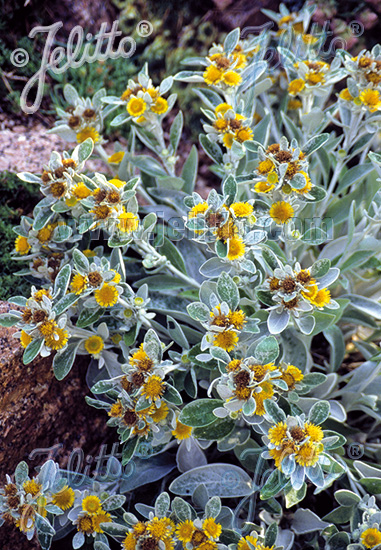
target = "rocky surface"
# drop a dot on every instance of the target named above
(38, 412)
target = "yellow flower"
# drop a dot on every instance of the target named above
(92, 504)
(231, 78)
(211, 528)
(281, 212)
(116, 158)
(154, 387)
(161, 413)
(85, 524)
(236, 249)
(266, 393)
(315, 433)
(294, 104)
(277, 433)
(314, 78)
(227, 140)
(94, 345)
(45, 234)
(160, 528)
(57, 340)
(308, 454)
(106, 296)
(234, 365)
(309, 39)
(237, 319)
(78, 284)
(48, 328)
(311, 291)
(371, 99)
(136, 106)
(296, 86)
(101, 517)
(25, 339)
(291, 375)
(64, 499)
(222, 108)
(128, 222)
(344, 94)
(89, 253)
(31, 487)
(321, 298)
(263, 187)
(185, 531)
(226, 340)
(86, 133)
(22, 245)
(308, 185)
(181, 431)
(116, 410)
(160, 106)
(371, 537)
(212, 75)
(242, 209)
(243, 543)
(199, 208)
(129, 542)
(243, 134)
(117, 182)
(265, 166)
(208, 545)
(80, 191)
(40, 293)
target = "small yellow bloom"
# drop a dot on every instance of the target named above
(212, 75)
(22, 245)
(322, 298)
(314, 78)
(64, 499)
(94, 345)
(212, 529)
(344, 94)
(263, 187)
(116, 410)
(243, 134)
(371, 99)
(101, 517)
(226, 340)
(315, 433)
(237, 319)
(222, 108)
(116, 158)
(89, 253)
(57, 340)
(91, 504)
(308, 454)
(277, 433)
(154, 387)
(80, 191)
(242, 209)
(117, 182)
(136, 106)
(181, 431)
(185, 531)
(86, 133)
(296, 86)
(199, 208)
(227, 140)
(236, 249)
(78, 284)
(371, 537)
(281, 212)
(265, 166)
(31, 487)
(106, 296)
(45, 234)
(160, 106)
(25, 339)
(231, 78)
(128, 222)
(243, 543)
(160, 413)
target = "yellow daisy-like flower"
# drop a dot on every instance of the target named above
(308, 454)
(106, 296)
(243, 543)
(308, 185)
(321, 298)
(128, 222)
(212, 75)
(208, 545)
(45, 234)
(243, 134)
(160, 106)
(371, 537)
(266, 393)
(185, 531)
(160, 528)
(102, 517)
(265, 166)
(291, 375)
(222, 108)
(89, 253)
(294, 104)
(227, 140)
(85, 524)
(181, 431)
(92, 504)
(25, 339)
(136, 106)
(116, 410)
(116, 158)
(371, 99)
(48, 328)
(78, 284)
(314, 78)
(129, 542)
(263, 187)
(40, 293)
(277, 433)
(22, 245)
(154, 387)
(237, 319)
(31, 487)
(226, 340)
(161, 413)
(139, 528)
(234, 365)
(86, 133)
(281, 212)
(296, 86)
(236, 249)
(64, 499)
(80, 191)
(94, 345)
(242, 209)
(231, 78)
(117, 182)
(212, 529)
(315, 433)
(57, 340)
(345, 94)
(199, 208)
(310, 292)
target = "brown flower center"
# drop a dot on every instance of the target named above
(288, 285)
(242, 379)
(95, 278)
(297, 433)
(130, 417)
